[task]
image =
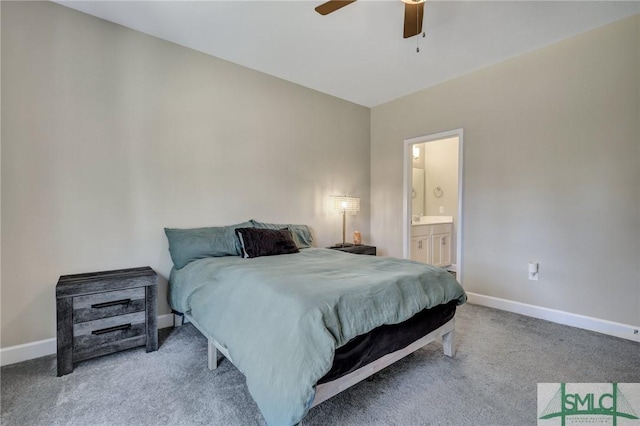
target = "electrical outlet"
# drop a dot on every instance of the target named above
(534, 271)
(441, 209)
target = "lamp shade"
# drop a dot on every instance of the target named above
(346, 204)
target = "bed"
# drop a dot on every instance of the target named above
(308, 323)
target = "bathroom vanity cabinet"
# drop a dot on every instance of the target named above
(431, 244)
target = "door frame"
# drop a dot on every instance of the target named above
(406, 208)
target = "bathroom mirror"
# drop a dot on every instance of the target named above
(417, 192)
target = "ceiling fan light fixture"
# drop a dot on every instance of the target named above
(413, 14)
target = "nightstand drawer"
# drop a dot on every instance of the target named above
(94, 334)
(110, 304)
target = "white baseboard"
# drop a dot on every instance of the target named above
(611, 328)
(19, 353)
(27, 351)
(165, 321)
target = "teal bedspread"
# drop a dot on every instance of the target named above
(282, 317)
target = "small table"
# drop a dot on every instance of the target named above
(356, 249)
(104, 312)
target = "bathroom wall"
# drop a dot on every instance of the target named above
(441, 170)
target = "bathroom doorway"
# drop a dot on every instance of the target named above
(432, 221)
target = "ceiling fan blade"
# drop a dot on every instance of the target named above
(413, 14)
(332, 6)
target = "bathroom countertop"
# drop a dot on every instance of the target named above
(432, 220)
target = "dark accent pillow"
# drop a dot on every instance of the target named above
(301, 233)
(256, 242)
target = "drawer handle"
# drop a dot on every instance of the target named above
(112, 303)
(110, 329)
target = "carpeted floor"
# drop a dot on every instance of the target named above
(491, 381)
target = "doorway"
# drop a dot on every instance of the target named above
(432, 219)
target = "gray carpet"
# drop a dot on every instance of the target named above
(491, 381)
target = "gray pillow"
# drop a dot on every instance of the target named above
(187, 245)
(301, 233)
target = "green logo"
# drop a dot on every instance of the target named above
(583, 402)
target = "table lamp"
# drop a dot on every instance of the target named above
(345, 204)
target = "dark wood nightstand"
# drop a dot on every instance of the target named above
(356, 249)
(104, 312)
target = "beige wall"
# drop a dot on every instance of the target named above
(110, 135)
(551, 172)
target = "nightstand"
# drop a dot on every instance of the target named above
(104, 312)
(356, 249)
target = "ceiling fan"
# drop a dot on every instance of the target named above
(413, 13)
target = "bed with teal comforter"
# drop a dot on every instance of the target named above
(282, 317)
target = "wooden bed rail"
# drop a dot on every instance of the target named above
(327, 390)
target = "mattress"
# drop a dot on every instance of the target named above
(383, 340)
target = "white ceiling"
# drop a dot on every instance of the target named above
(357, 53)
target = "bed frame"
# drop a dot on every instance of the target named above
(324, 391)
